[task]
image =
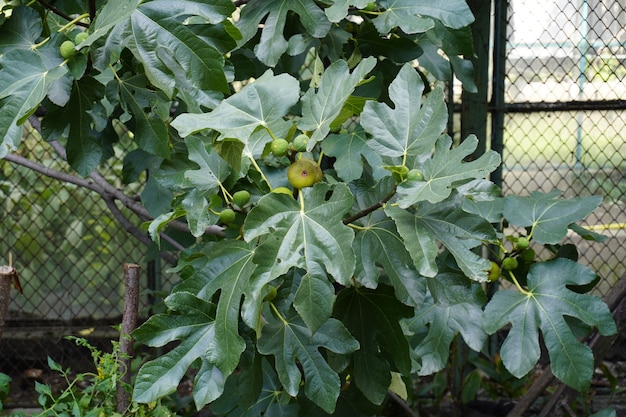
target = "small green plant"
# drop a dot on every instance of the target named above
(5, 381)
(98, 398)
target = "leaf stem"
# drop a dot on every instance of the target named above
(258, 168)
(73, 22)
(270, 132)
(519, 287)
(280, 317)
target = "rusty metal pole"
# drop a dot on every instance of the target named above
(129, 323)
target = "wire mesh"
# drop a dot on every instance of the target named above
(562, 53)
(69, 251)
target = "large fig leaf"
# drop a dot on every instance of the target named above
(373, 317)
(348, 148)
(262, 103)
(378, 244)
(213, 169)
(457, 230)
(409, 128)
(190, 321)
(293, 346)
(226, 269)
(413, 16)
(445, 170)
(548, 215)
(273, 43)
(453, 306)
(311, 236)
(320, 107)
(25, 80)
(543, 307)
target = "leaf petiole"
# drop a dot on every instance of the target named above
(280, 317)
(519, 287)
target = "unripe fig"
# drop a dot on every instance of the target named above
(415, 175)
(227, 216)
(241, 198)
(279, 147)
(522, 243)
(299, 143)
(80, 37)
(304, 173)
(509, 264)
(67, 49)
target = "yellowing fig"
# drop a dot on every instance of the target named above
(304, 173)
(494, 272)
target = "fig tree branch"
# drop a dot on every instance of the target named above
(369, 209)
(56, 11)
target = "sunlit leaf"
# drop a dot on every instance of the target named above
(445, 170)
(413, 16)
(547, 214)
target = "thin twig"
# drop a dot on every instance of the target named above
(370, 209)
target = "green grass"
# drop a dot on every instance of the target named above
(539, 138)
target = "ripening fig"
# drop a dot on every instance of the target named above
(304, 173)
(494, 272)
(279, 147)
(67, 49)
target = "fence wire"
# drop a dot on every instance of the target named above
(565, 81)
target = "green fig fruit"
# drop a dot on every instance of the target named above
(241, 198)
(80, 37)
(279, 147)
(299, 143)
(67, 49)
(415, 175)
(522, 243)
(227, 216)
(494, 272)
(509, 264)
(304, 173)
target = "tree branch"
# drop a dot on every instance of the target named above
(369, 209)
(60, 13)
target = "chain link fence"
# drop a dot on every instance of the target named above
(564, 89)
(69, 251)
